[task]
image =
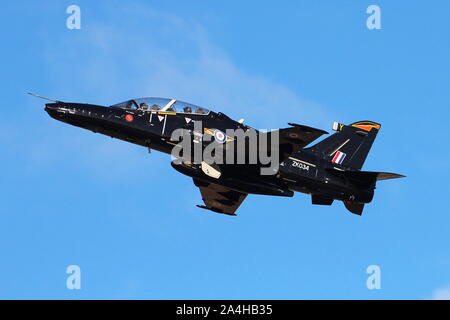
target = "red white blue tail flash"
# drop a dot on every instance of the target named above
(338, 157)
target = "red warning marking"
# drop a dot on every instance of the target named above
(129, 117)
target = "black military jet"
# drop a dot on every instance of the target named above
(329, 170)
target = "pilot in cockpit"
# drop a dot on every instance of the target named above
(187, 109)
(143, 106)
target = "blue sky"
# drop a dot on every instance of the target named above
(129, 220)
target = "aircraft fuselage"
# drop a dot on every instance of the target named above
(152, 129)
(302, 171)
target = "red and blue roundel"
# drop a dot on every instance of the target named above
(129, 118)
(220, 136)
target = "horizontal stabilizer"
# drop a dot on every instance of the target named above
(354, 207)
(367, 176)
(388, 175)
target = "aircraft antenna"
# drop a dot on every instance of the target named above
(42, 97)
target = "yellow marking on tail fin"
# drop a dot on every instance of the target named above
(366, 125)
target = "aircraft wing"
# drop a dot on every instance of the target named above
(295, 138)
(218, 198)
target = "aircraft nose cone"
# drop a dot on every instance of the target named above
(54, 110)
(51, 107)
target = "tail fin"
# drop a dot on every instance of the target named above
(350, 145)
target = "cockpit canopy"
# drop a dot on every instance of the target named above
(161, 104)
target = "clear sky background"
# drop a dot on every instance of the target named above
(70, 196)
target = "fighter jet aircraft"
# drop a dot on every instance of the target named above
(328, 170)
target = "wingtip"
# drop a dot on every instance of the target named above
(215, 210)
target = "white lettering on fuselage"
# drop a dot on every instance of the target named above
(300, 165)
